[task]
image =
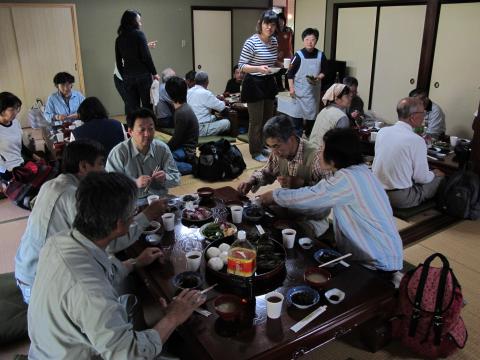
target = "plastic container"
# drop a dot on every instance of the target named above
(242, 257)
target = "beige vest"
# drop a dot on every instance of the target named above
(305, 169)
(326, 120)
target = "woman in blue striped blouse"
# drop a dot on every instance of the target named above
(258, 56)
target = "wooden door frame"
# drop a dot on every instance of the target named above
(73, 11)
(430, 29)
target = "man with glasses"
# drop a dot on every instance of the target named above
(401, 158)
(294, 163)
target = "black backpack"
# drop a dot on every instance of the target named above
(460, 196)
(219, 160)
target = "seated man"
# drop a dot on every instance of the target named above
(434, 115)
(63, 104)
(203, 102)
(362, 216)
(54, 210)
(234, 84)
(164, 109)
(355, 110)
(144, 159)
(183, 143)
(75, 312)
(294, 163)
(400, 161)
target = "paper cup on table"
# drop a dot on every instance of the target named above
(288, 236)
(286, 63)
(152, 198)
(60, 137)
(194, 258)
(373, 136)
(168, 221)
(453, 141)
(237, 213)
(274, 304)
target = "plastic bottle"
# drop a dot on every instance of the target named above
(242, 257)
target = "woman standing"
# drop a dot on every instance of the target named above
(259, 54)
(134, 61)
(304, 76)
(284, 37)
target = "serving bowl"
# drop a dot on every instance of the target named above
(216, 231)
(187, 280)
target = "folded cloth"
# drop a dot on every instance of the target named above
(332, 93)
(155, 92)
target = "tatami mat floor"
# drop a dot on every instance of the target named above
(460, 243)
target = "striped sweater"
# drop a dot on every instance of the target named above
(256, 53)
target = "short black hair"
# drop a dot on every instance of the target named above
(279, 127)
(418, 92)
(91, 108)
(350, 81)
(176, 88)
(129, 22)
(310, 31)
(190, 76)
(282, 16)
(142, 113)
(62, 78)
(102, 200)
(342, 148)
(268, 17)
(81, 150)
(8, 100)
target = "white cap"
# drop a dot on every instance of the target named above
(241, 235)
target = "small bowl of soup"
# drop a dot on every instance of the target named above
(316, 277)
(188, 280)
(205, 193)
(228, 306)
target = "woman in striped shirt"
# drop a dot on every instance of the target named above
(258, 56)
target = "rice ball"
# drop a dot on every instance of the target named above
(213, 252)
(224, 257)
(223, 247)
(215, 263)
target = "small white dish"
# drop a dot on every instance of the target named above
(337, 294)
(155, 225)
(306, 243)
(274, 70)
(153, 239)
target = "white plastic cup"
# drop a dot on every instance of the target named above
(373, 136)
(286, 63)
(453, 141)
(168, 221)
(194, 258)
(288, 236)
(237, 213)
(60, 137)
(274, 304)
(152, 198)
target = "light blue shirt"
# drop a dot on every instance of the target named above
(362, 216)
(125, 158)
(56, 104)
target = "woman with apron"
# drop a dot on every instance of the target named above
(304, 76)
(259, 88)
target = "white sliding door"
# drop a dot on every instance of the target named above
(399, 44)
(355, 40)
(310, 13)
(455, 83)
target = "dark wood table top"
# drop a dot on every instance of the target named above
(367, 296)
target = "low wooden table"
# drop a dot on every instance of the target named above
(448, 165)
(367, 297)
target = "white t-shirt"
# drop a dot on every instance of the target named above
(202, 102)
(10, 146)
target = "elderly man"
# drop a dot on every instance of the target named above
(294, 163)
(75, 312)
(400, 161)
(164, 109)
(434, 115)
(203, 103)
(55, 211)
(147, 161)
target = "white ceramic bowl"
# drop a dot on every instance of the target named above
(335, 292)
(306, 243)
(274, 70)
(156, 226)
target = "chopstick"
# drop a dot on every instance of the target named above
(335, 260)
(208, 289)
(148, 186)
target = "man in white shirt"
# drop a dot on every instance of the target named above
(401, 158)
(203, 102)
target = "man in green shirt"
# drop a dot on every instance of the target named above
(75, 312)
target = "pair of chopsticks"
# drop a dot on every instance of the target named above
(335, 260)
(148, 186)
(208, 289)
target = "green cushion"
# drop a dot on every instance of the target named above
(206, 139)
(243, 137)
(407, 213)
(13, 313)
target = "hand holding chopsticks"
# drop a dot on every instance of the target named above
(148, 186)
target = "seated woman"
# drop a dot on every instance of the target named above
(11, 145)
(183, 143)
(363, 221)
(234, 84)
(97, 126)
(337, 99)
(63, 104)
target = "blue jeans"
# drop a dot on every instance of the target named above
(179, 156)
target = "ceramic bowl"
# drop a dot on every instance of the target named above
(316, 277)
(228, 306)
(152, 228)
(302, 297)
(205, 192)
(335, 296)
(188, 280)
(305, 242)
(325, 255)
